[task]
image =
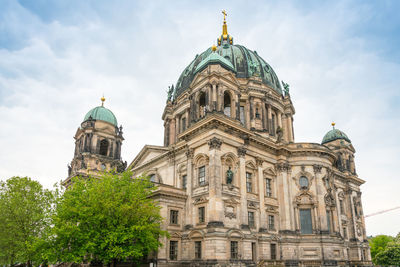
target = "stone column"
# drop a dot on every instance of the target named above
(189, 220)
(265, 116)
(243, 192)
(321, 209)
(251, 108)
(261, 189)
(285, 128)
(187, 119)
(216, 205)
(290, 120)
(172, 132)
(285, 203)
(270, 120)
(238, 107)
(280, 119)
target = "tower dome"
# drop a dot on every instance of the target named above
(333, 135)
(101, 113)
(243, 62)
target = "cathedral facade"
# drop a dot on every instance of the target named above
(234, 187)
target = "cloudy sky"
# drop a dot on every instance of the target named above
(57, 58)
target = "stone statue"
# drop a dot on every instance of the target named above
(279, 132)
(229, 176)
(69, 169)
(170, 92)
(286, 88)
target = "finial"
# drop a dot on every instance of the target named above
(333, 125)
(213, 48)
(102, 100)
(224, 26)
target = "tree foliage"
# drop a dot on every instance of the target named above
(385, 250)
(25, 208)
(107, 219)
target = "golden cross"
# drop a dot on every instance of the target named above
(224, 12)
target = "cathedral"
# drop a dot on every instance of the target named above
(234, 187)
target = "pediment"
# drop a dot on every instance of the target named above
(147, 154)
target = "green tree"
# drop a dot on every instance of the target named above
(25, 208)
(106, 220)
(390, 255)
(378, 244)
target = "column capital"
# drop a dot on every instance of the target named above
(241, 151)
(215, 143)
(189, 153)
(317, 168)
(283, 167)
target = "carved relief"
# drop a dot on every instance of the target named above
(215, 143)
(317, 168)
(283, 167)
(190, 153)
(329, 199)
(200, 200)
(241, 151)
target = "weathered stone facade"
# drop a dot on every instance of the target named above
(236, 189)
(233, 186)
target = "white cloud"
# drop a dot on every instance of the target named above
(62, 69)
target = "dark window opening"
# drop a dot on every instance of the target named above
(103, 147)
(184, 181)
(249, 186)
(268, 188)
(234, 249)
(173, 219)
(253, 252)
(305, 221)
(173, 250)
(328, 220)
(202, 104)
(241, 114)
(257, 114)
(227, 104)
(202, 175)
(201, 215)
(271, 222)
(197, 249)
(251, 219)
(273, 251)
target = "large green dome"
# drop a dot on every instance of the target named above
(333, 135)
(243, 62)
(103, 114)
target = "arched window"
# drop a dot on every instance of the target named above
(202, 104)
(103, 147)
(227, 104)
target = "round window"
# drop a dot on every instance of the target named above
(303, 181)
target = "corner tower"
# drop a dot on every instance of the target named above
(97, 144)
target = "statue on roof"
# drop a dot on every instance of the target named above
(170, 92)
(286, 88)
